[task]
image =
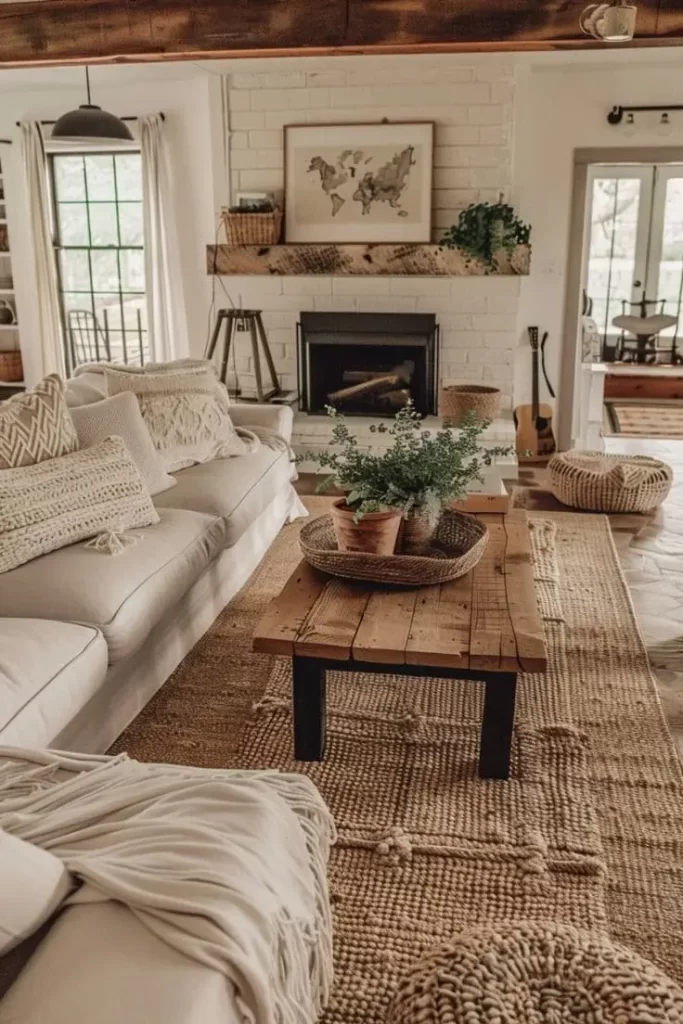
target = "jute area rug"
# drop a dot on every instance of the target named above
(588, 831)
(642, 418)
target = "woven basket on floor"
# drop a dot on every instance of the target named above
(538, 973)
(11, 367)
(458, 544)
(596, 482)
(460, 399)
(251, 228)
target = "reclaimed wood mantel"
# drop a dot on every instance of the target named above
(358, 261)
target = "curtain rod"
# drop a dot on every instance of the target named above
(135, 118)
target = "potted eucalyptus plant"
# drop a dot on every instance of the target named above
(406, 483)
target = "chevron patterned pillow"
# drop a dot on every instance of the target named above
(36, 426)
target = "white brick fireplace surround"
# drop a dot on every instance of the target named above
(471, 104)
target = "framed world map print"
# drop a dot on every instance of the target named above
(359, 182)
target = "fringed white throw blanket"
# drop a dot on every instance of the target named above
(228, 867)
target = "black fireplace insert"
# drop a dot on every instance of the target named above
(367, 364)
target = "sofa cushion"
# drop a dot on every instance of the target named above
(61, 501)
(34, 884)
(237, 489)
(48, 671)
(100, 965)
(36, 425)
(124, 595)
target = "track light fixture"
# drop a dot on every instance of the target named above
(613, 22)
(619, 114)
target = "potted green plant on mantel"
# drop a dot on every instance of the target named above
(403, 487)
(491, 233)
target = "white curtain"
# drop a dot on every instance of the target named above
(47, 354)
(165, 301)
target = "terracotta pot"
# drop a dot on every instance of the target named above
(418, 529)
(375, 533)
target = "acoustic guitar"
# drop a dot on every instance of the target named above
(535, 441)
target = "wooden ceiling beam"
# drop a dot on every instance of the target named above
(111, 31)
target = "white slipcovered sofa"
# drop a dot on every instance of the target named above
(86, 639)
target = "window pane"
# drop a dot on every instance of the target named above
(612, 250)
(99, 171)
(74, 270)
(73, 224)
(132, 306)
(76, 300)
(103, 224)
(105, 271)
(670, 283)
(132, 270)
(69, 177)
(129, 176)
(130, 219)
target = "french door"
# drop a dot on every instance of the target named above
(633, 248)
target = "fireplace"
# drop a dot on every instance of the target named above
(367, 364)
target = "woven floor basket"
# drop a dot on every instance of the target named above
(460, 399)
(458, 544)
(252, 228)
(535, 973)
(596, 482)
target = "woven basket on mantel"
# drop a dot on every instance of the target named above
(457, 546)
(252, 228)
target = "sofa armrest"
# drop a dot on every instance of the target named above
(279, 418)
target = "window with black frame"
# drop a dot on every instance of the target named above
(98, 239)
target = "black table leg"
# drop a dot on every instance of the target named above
(308, 697)
(497, 725)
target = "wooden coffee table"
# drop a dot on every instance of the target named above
(483, 627)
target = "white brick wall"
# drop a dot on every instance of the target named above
(472, 106)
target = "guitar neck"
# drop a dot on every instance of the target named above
(534, 384)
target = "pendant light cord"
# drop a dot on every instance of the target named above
(87, 83)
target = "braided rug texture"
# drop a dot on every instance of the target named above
(588, 832)
(539, 974)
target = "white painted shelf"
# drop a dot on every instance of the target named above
(12, 384)
(6, 291)
(9, 327)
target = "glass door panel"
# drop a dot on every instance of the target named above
(618, 215)
(665, 273)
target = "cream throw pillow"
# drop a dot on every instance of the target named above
(65, 500)
(33, 883)
(36, 425)
(121, 415)
(186, 409)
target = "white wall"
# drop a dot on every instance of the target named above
(471, 102)
(504, 123)
(561, 107)
(185, 103)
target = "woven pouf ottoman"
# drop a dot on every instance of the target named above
(596, 482)
(534, 973)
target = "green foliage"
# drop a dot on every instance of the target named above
(483, 229)
(421, 469)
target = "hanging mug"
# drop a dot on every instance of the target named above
(7, 315)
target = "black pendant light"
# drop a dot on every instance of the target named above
(90, 122)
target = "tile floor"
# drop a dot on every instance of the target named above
(651, 553)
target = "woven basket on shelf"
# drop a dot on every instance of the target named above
(460, 399)
(250, 228)
(458, 544)
(596, 482)
(11, 367)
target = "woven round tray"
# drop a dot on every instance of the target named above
(458, 544)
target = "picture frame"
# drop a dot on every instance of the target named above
(359, 182)
(254, 201)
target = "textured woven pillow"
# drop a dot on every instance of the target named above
(34, 883)
(121, 415)
(186, 410)
(36, 425)
(65, 500)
